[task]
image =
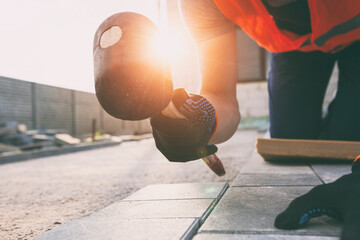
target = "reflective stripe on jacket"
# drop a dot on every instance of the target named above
(335, 24)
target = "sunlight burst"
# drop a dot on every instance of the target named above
(168, 45)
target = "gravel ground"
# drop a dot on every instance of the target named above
(41, 194)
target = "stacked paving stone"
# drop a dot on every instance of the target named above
(15, 137)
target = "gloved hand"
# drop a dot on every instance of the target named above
(339, 200)
(182, 140)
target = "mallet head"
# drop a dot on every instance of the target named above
(132, 82)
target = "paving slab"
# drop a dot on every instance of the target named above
(194, 208)
(252, 210)
(330, 172)
(154, 212)
(258, 237)
(266, 179)
(239, 146)
(112, 227)
(257, 165)
(179, 191)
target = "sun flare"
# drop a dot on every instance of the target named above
(168, 45)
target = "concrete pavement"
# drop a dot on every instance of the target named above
(260, 192)
(244, 210)
(165, 211)
(42, 194)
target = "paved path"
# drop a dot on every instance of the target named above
(41, 194)
(244, 210)
(260, 192)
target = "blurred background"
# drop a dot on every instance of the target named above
(48, 108)
(46, 64)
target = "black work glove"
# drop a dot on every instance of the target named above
(182, 140)
(339, 200)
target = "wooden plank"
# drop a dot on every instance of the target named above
(297, 149)
(66, 139)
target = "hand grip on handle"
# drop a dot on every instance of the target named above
(212, 161)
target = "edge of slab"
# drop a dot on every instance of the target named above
(192, 230)
(214, 203)
(134, 196)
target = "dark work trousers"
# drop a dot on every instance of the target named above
(297, 85)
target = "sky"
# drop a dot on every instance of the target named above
(50, 42)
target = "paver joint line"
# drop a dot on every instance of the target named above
(209, 211)
(264, 232)
(264, 186)
(157, 200)
(223, 191)
(191, 231)
(317, 175)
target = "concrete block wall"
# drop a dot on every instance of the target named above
(16, 101)
(253, 99)
(42, 106)
(54, 107)
(84, 114)
(251, 63)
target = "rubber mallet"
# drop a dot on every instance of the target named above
(132, 82)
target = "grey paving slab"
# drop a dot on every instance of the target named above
(151, 219)
(111, 227)
(329, 173)
(250, 210)
(257, 165)
(266, 179)
(239, 146)
(258, 237)
(194, 208)
(179, 191)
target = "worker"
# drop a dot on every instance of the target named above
(305, 38)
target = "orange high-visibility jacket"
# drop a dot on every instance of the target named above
(334, 23)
